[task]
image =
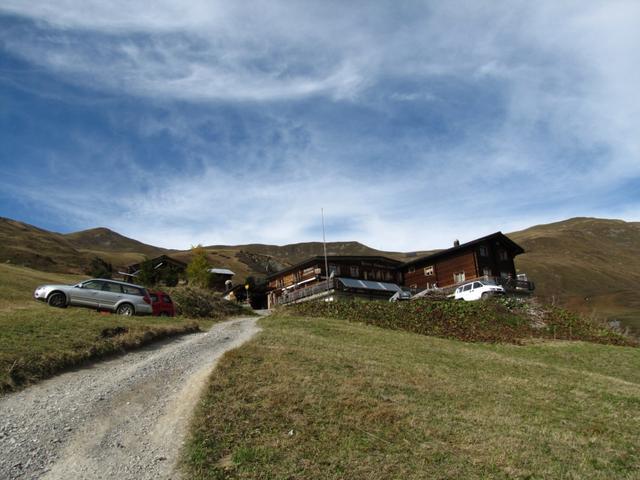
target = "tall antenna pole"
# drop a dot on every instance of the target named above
(324, 244)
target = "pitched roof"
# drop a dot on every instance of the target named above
(330, 258)
(161, 258)
(221, 271)
(510, 244)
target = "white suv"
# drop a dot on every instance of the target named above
(477, 290)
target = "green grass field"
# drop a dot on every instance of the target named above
(37, 341)
(329, 399)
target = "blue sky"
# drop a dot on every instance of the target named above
(411, 123)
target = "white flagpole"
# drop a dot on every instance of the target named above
(324, 244)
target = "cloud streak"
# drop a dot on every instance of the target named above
(408, 122)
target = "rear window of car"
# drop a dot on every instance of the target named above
(111, 287)
(166, 298)
(132, 290)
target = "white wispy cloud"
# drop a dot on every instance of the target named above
(556, 82)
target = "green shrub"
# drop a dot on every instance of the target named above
(496, 320)
(198, 302)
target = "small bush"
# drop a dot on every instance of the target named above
(496, 320)
(198, 302)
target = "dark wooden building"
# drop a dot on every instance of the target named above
(221, 279)
(160, 264)
(490, 256)
(377, 273)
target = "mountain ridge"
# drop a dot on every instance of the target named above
(590, 264)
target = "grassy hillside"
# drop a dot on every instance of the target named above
(29, 246)
(24, 244)
(588, 264)
(328, 399)
(37, 341)
(111, 246)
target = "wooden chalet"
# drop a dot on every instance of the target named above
(163, 262)
(221, 279)
(376, 276)
(487, 257)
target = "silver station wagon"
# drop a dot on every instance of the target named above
(120, 297)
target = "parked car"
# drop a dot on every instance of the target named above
(161, 304)
(478, 289)
(401, 295)
(119, 297)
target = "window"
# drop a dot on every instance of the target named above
(334, 270)
(132, 290)
(92, 285)
(477, 285)
(111, 287)
(428, 271)
(486, 271)
(355, 272)
(166, 298)
(154, 297)
(467, 287)
(411, 270)
(503, 255)
(483, 251)
(458, 277)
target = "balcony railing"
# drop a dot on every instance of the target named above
(304, 292)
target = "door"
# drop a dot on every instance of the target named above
(467, 294)
(86, 294)
(109, 295)
(476, 291)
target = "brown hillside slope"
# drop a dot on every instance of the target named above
(107, 240)
(111, 246)
(24, 244)
(589, 264)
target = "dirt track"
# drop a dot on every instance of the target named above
(124, 418)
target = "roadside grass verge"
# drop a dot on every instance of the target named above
(40, 341)
(328, 399)
(18, 283)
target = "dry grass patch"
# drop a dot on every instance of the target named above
(326, 399)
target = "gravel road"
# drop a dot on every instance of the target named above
(124, 418)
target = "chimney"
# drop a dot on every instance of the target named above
(456, 243)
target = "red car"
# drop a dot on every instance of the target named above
(161, 304)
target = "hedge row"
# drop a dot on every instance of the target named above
(196, 302)
(496, 320)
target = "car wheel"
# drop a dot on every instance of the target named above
(485, 295)
(57, 300)
(125, 309)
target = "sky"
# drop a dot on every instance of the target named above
(410, 123)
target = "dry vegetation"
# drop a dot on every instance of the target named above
(329, 399)
(501, 319)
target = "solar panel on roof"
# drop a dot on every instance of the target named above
(369, 285)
